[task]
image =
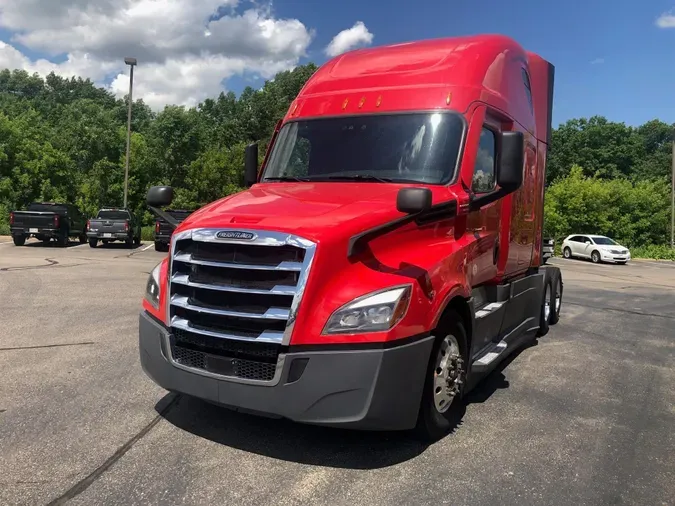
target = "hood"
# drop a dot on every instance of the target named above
(313, 210)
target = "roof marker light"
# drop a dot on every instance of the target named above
(379, 101)
(448, 98)
(362, 101)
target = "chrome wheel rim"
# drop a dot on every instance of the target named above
(448, 374)
(547, 302)
(558, 298)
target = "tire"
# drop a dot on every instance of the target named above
(621, 263)
(137, 241)
(544, 312)
(595, 257)
(160, 246)
(554, 315)
(19, 240)
(129, 243)
(83, 238)
(93, 243)
(567, 253)
(434, 423)
(62, 240)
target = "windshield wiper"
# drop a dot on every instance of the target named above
(356, 177)
(286, 178)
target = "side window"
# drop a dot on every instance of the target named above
(575, 238)
(528, 89)
(484, 170)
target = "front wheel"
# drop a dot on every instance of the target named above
(567, 253)
(556, 298)
(19, 240)
(441, 408)
(595, 257)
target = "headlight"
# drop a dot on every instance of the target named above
(370, 313)
(152, 287)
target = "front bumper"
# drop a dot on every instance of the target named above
(373, 389)
(611, 257)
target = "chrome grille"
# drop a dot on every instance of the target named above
(229, 297)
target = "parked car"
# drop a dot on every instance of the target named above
(46, 221)
(596, 247)
(163, 231)
(114, 224)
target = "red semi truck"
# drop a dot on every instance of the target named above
(386, 256)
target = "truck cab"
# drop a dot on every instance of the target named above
(386, 255)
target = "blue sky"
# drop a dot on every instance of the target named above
(610, 57)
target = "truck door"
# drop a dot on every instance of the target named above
(528, 202)
(483, 224)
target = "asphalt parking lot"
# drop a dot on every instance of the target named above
(584, 417)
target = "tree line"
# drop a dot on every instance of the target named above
(64, 140)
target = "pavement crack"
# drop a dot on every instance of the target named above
(86, 482)
(46, 346)
(628, 311)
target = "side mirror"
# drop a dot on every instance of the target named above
(511, 160)
(251, 165)
(413, 200)
(159, 196)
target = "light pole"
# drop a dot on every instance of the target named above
(672, 199)
(131, 62)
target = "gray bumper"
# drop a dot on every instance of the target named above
(113, 235)
(376, 389)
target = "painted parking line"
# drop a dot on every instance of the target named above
(147, 247)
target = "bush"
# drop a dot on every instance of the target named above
(146, 233)
(656, 252)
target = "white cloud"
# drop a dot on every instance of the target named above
(357, 35)
(597, 61)
(666, 20)
(185, 48)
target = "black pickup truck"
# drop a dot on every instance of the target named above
(114, 224)
(163, 231)
(46, 221)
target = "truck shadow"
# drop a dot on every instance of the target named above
(306, 444)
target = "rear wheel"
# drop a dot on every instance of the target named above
(62, 240)
(159, 246)
(595, 257)
(441, 407)
(93, 243)
(129, 243)
(567, 253)
(19, 240)
(83, 238)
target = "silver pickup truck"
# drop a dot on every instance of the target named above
(547, 249)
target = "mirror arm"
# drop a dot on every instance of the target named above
(476, 202)
(166, 217)
(441, 211)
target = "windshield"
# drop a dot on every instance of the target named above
(419, 147)
(603, 241)
(113, 215)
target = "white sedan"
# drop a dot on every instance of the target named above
(596, 247)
